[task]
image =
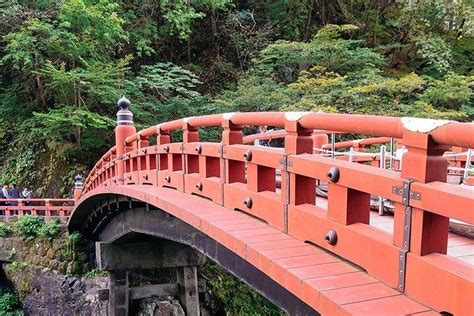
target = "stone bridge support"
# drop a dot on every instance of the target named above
(120, 258)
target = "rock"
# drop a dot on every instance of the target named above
(45, 262)
(36, 260)
(46, 292)
(50, 254)
(74, 267)
(54, 265)
(62, 267)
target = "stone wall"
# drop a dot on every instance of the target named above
(47, 292)
(47, 276)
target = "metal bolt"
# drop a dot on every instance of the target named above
(198, 149)
(248, 155)
(145, 177)
(199, 186)
(168, 179)
(248, 202)
(331, 237)
(166, 148)
(333, 174)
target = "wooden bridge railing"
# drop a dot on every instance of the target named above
(37, 207)
(243, 177)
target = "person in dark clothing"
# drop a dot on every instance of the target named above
(2, 196)
(14, 193)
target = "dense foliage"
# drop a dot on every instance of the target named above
(30, 227)
(9, 304)
(65, 63)
(234, 297)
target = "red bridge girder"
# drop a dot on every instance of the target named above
(233, 176)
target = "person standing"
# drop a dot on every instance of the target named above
(26, 195)
(1, 196)
(14, 193)
(5, 193)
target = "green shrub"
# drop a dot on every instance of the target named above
(29, 227)
(5, 230)
(95, 273)
(9, 304)
(50, 230)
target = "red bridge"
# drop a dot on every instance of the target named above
(293, 222)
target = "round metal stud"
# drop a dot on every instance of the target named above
(331, 237)
(168, 179)
(199, 186)
(198, 149)
(333, 174)
(248, 155)
(248, 202)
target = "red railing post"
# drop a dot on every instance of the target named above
(20, 207)
(424, 162)
(296, 189)
(78, 185)
(234, 171)
(47, 207)
(123, 129)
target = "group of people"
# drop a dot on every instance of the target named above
(12, 192)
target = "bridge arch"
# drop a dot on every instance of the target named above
(282, 227)
(117, 217)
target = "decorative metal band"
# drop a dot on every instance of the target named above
(406, 195)
(124, 117)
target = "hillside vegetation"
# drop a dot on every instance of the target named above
(65, 63)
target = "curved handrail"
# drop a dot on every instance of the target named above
(244, 177)
(442, 132)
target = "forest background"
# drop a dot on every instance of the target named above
(65, 63)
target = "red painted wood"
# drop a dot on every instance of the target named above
(290, 213)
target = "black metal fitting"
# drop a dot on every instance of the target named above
(333, 174)
(198, 149)
(248, 202)
(331, 237)
(248, 155)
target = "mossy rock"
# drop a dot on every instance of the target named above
(74, 267)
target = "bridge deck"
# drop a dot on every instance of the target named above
(459, 247)
(322, 280)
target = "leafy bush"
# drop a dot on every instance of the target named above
(29, 227)
(95, 273)
(234, 296)
(5, 230)
(9, 304)
(453, 92)
(50, 230)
